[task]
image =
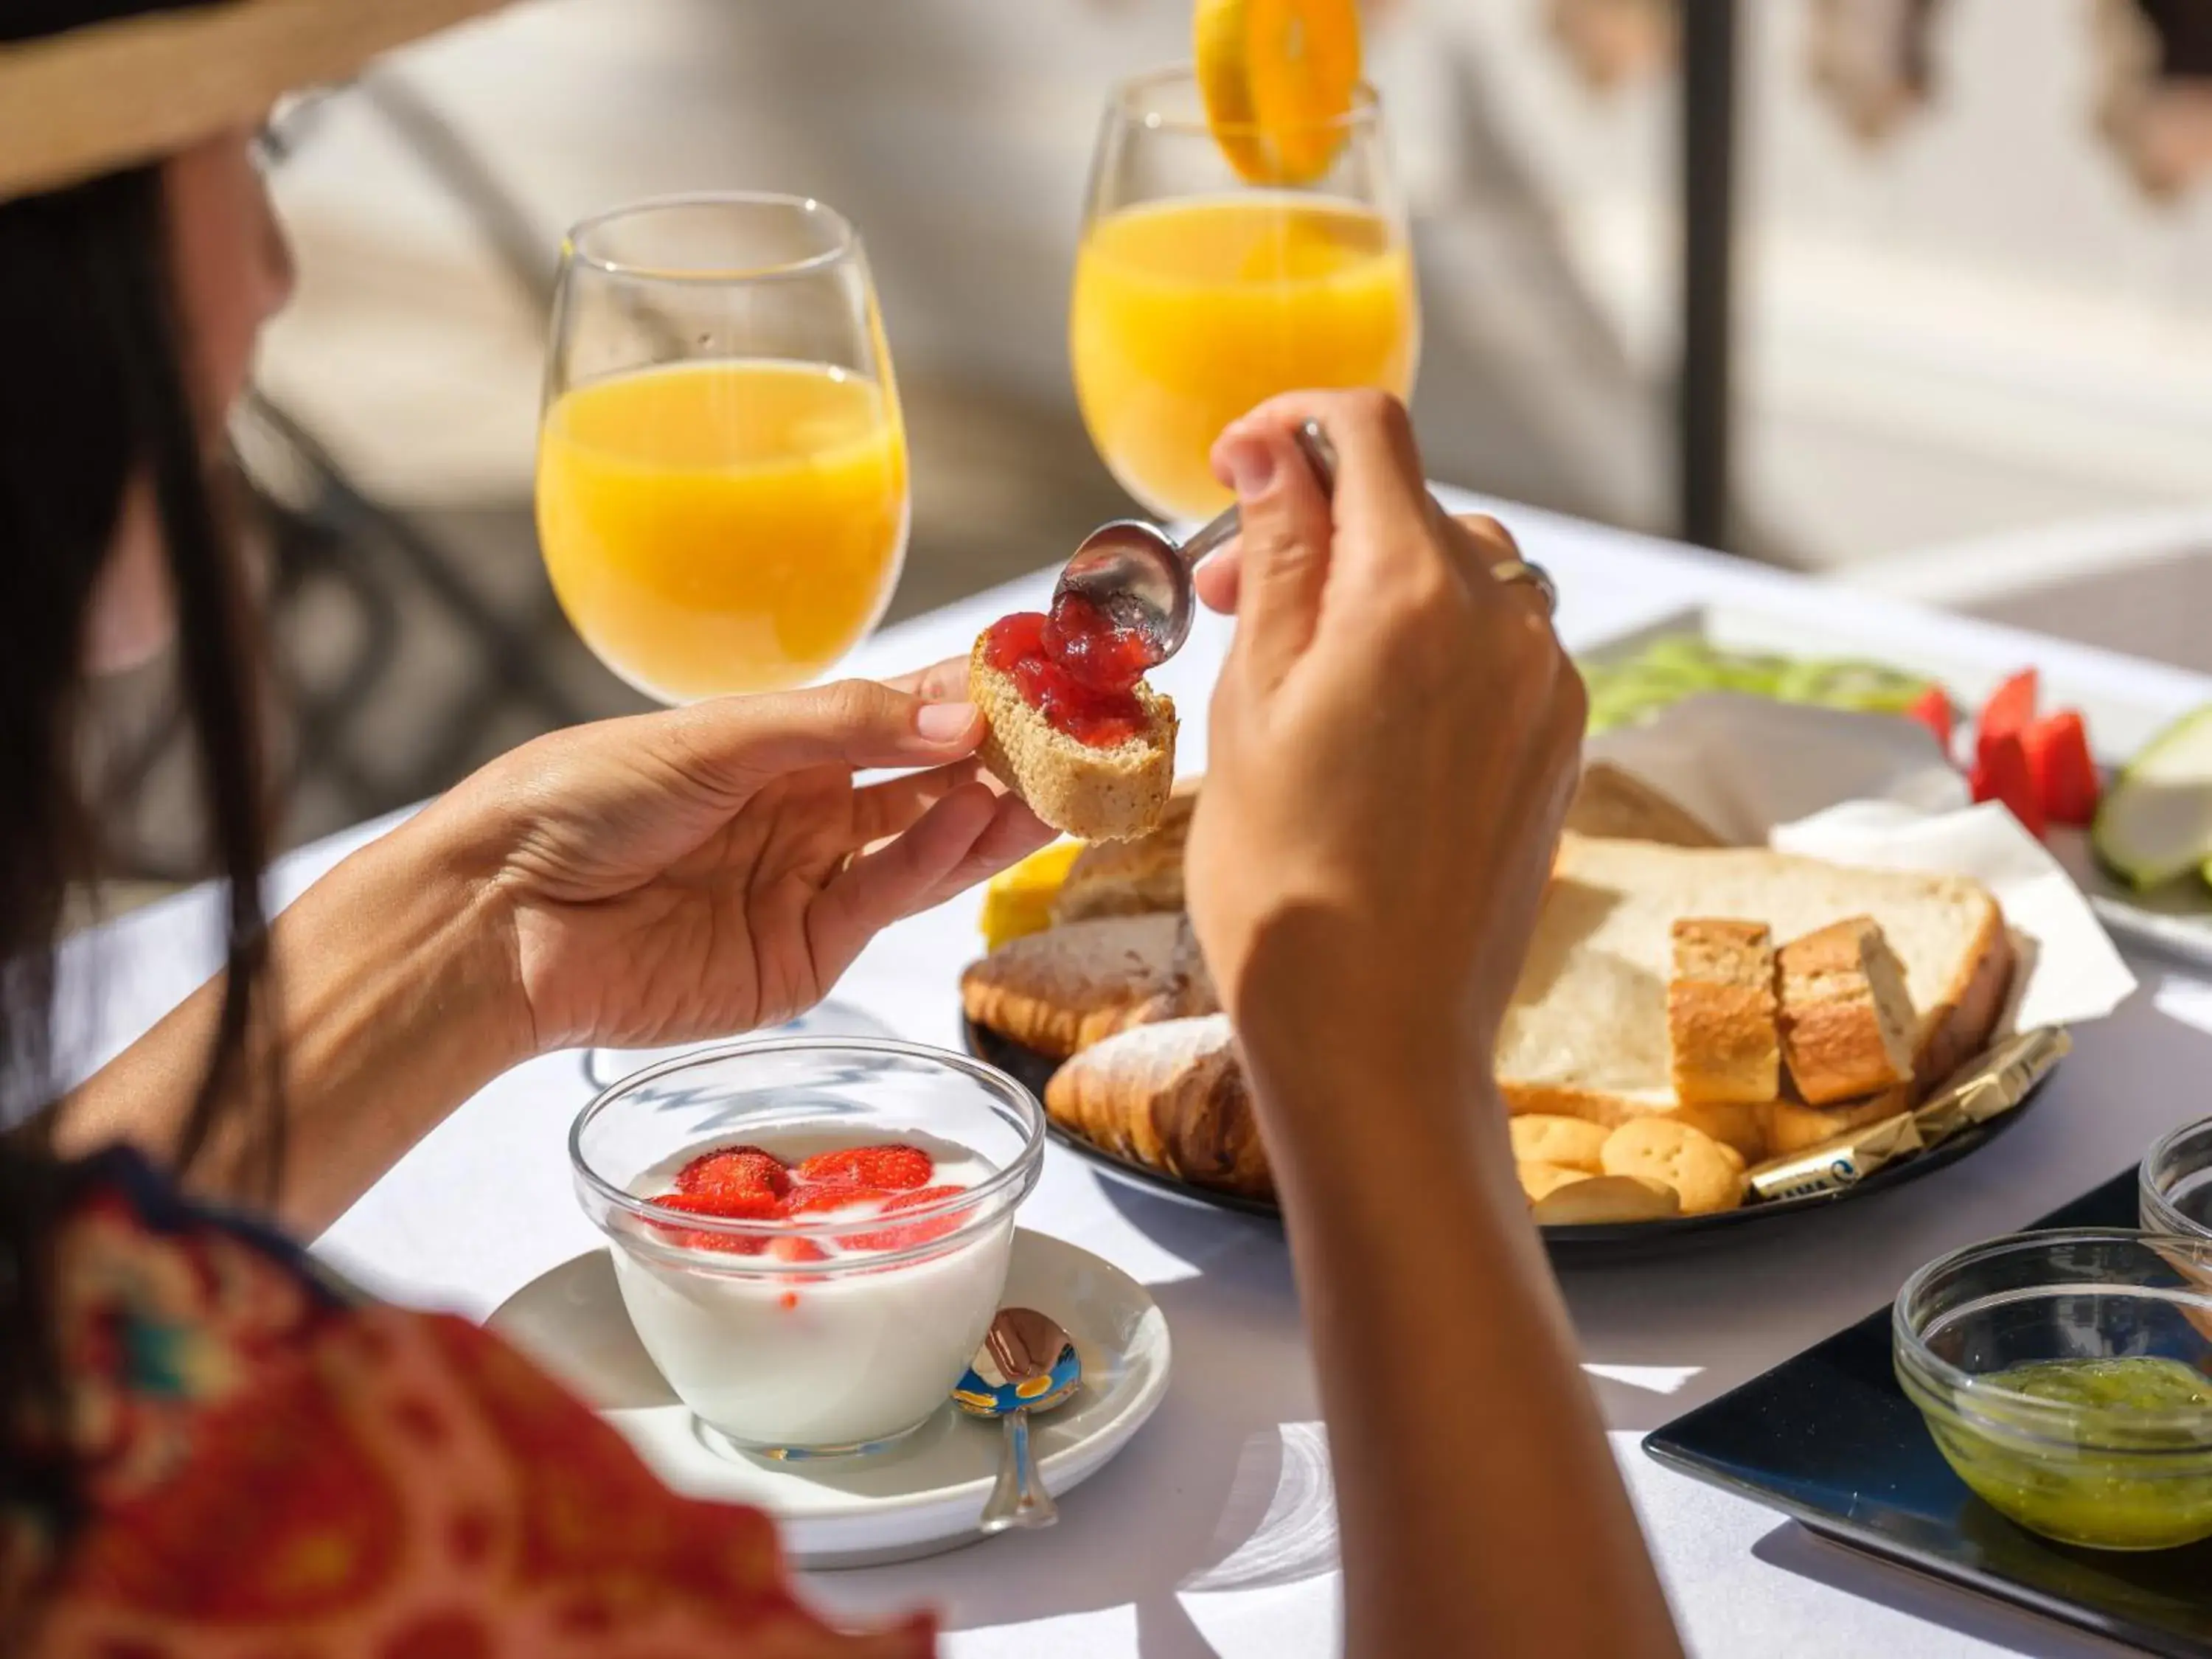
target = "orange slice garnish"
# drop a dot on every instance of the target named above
(1278, 78)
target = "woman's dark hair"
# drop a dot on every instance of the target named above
(95, 404)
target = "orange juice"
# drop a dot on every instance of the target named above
(1187, 313)
(723, 525)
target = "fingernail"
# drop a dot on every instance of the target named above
(944, 722)
(1251, 465)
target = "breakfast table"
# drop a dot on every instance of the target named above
(1214, 1531)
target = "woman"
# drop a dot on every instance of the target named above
(204, 1450)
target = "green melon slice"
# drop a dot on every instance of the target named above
(2155, 823)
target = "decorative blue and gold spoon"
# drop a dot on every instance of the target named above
(1027, 1364)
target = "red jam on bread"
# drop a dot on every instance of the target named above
(1078, 667)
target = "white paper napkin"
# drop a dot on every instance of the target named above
(1874, 790)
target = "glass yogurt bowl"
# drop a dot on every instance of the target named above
(841, 1328)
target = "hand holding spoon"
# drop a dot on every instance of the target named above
(1138, 577)
(1027, 1364)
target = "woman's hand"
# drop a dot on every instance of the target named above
(1392, 747)
(1394, 743)
(715, 868)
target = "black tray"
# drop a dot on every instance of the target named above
(1829, 1439)
(1613, 1241)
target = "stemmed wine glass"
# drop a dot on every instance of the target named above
(722, 494)
(1205, 282)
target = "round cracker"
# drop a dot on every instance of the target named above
(1539, 1178)
(1600, 1201)
(1704, 1173)
(1543, 1138)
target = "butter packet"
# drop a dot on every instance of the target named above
(1835, 1165)
(1988, 1086)
(1992, 1083)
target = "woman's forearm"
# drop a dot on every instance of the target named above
(392, 999)
(1479, 1508)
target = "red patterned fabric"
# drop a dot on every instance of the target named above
(277, 1474)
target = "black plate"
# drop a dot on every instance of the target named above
(1829, 1439)
(1614, 1240)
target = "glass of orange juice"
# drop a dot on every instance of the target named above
(722, 496)
(1203, 286)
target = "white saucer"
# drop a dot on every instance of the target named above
(922, 1495)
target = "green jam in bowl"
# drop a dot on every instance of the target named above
(2067, 1377)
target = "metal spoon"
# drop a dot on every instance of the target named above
(1027, 1364)
(1140, 577)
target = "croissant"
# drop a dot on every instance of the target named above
(1170, 1097)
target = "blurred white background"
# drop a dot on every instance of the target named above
(1982, 324)
(1975, 360)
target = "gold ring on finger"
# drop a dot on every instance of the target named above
(1520, 570)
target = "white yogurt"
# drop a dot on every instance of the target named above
(833, 1354)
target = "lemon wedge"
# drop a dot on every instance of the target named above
(1017, 901)
(1278, 78)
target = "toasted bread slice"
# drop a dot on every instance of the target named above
(1060, 991)
(1093, 794)
(1611, 802)
(1131, 878)
(1846, 1014)
(1722, 1041)
(1586, 1033)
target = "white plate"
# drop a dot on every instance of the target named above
(923, 1495)
(2177, 919)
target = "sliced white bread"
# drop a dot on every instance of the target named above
(1094, 793)
(1586, 1035)
(1611, 802)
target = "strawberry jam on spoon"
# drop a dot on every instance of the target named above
(1136, 579)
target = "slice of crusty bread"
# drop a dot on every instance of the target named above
(1724, 1046)
(1847, 1026)
(1131, 878)
(1093, 794)
(1611, 802)
(1062, 990)
(1586, 1034)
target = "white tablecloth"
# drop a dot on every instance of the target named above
(1213, 1533)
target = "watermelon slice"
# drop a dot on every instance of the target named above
(2008, 713)
(2065, 776)
(1932, 708)
(2001, 774)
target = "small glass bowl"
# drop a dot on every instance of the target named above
(2176, 1184)
(784, 1357)
(2105, 1476)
